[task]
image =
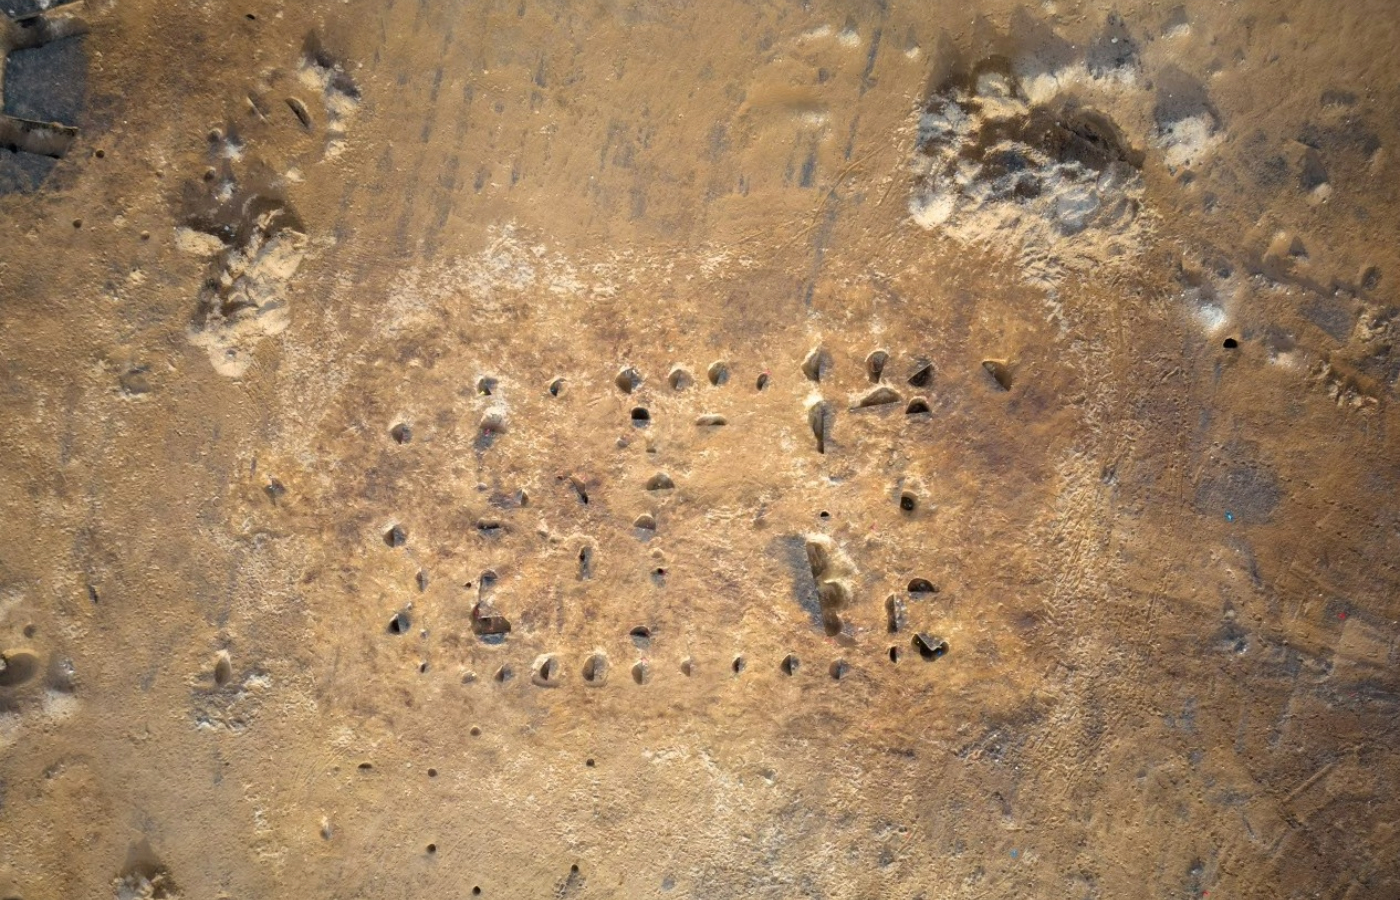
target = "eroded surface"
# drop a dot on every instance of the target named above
(535, 450)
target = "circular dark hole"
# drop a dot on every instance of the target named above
(100, 154)
(907, 502)
(824, 515)
(401, 433)
(432, 773)
(573, 869)
(77, 223)
(641, 632)
(476, 891)
(922, 586)
(589, 762)
(738, 664)
(640, 417)
(1231, 344)
(475, 731)
(250, 17)
(894, 654)
(627, 380)
(422, 668)
(432, 848)
(762, 382)
(399, 624)
(556, 386)
(365, 767)
(30, 630)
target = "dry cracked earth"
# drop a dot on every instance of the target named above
(701, 450)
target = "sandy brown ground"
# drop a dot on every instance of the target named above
(1165, 568)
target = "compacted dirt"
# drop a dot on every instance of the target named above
(710, 450)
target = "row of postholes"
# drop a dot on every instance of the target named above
(548, 670)
(814, 367)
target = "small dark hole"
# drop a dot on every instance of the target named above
(738, 665)
(627, 380)
(1231, 344)
(556, 386)
(930, 648)
(475, 731)
(30, 630)
(838, 669)
(476, 891)
(762, 383)
(100, 154)
(432, 848)
(894, 654)
(640, 417)
(399, 624)
(589, 762)
(250, 17)
(875, 364)
(679, 379)
(365, 767)
(486, 386)
(823, 515)
(422, 668)
(432, 773)
(719, 374)
(907, 501)
(916, 407)
(573, 869)
(396, 536)
(77, 223)
(790, 664)
(640, 633)
(922, 376)
(922, 586)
